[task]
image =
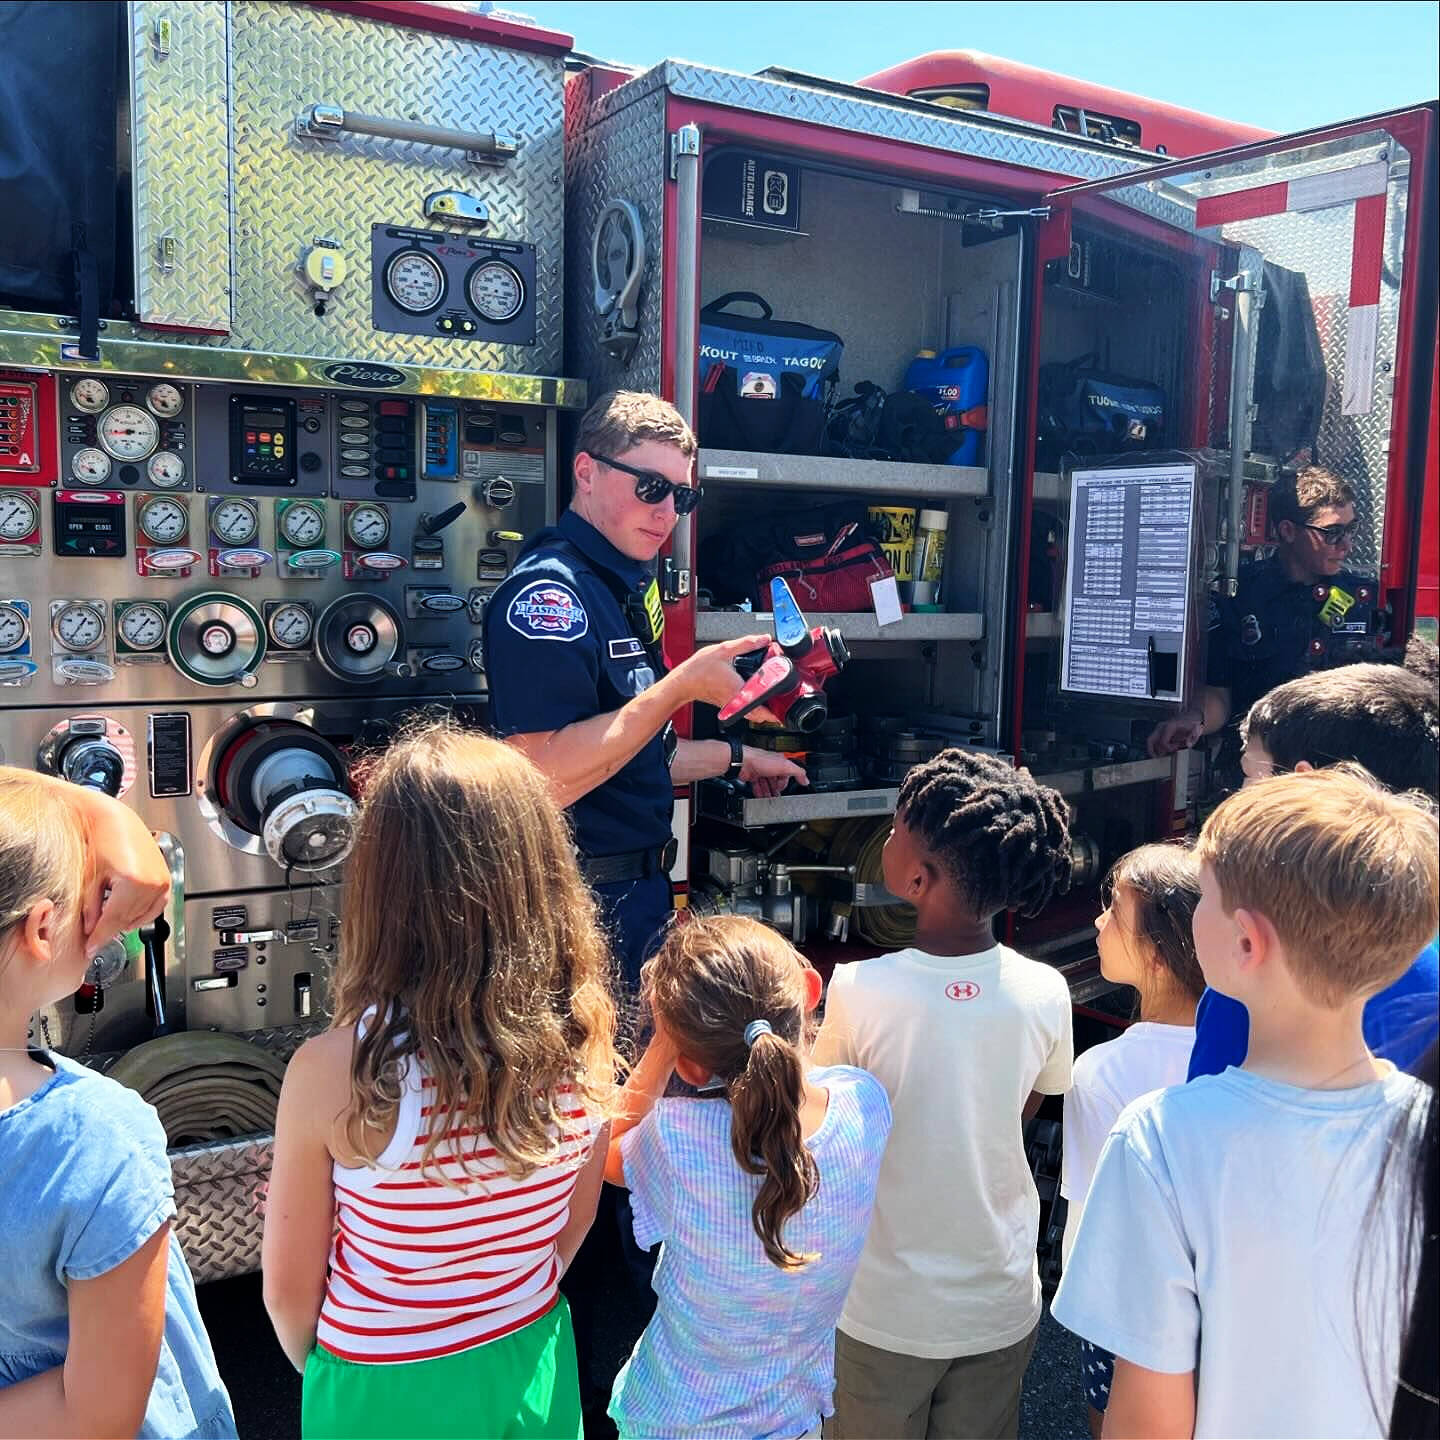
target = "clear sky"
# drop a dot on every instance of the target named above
(1281, 66)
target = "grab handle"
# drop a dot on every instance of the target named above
(329, 122)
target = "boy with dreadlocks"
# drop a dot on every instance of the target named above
(966, 1036)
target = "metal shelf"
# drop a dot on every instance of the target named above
(828, 472)
(724, 802)
(1108, 777)
(860, 625)
(1045, 485)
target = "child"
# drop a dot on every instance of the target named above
(966, 1036)
(1387, 720)
(1228, 1216)
(760, 1190)
(1145, 942)
(99, 1329)
(438, 1153)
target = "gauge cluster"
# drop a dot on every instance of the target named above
(116, 431)
(433, 283)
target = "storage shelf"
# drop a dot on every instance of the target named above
(1108, 777)
(828, 472)
(723, 802)
(1045, 485)
(861, 625)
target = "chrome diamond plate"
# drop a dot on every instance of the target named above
(289, 192)
(220, 1204)
(620, 156)
(180, 158)
(1031, 147)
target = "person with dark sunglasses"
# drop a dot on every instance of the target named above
(1301, 609)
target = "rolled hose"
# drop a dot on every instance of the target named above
(859, 843)
(205, 1086)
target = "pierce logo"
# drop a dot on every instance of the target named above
(365, 377)
(962, 990)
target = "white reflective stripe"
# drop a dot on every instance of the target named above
(1336, 187)
(1361, 327)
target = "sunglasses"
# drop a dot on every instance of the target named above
(1330, 534)
(651, 487)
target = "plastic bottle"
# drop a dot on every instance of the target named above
(929, 559)
(955, 382)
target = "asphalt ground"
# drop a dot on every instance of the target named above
(266, 1390)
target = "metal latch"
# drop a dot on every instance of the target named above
(684, 141)
(1243, 282)
(457, 207)
(160, 38)
(165, 248)
(674, 582)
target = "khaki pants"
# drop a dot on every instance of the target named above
(880, 1395)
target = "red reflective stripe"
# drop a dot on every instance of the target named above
(461, 1227)
(393, 1358)
(1366, 260)
(360, 1200)
(1241, 205)
(477, 1299)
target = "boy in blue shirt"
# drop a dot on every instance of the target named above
(1388, 720)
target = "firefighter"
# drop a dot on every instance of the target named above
(1298, 610)
(577, 679)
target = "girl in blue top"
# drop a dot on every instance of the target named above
(99, 1330)
(758, 1188)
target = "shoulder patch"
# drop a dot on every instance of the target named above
(547, 610)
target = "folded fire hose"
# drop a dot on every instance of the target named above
(204, 1085)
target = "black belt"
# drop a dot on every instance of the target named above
(630, 865)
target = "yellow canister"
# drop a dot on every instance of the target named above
(929, 559)
(894, 527)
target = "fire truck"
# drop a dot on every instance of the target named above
(291, 346)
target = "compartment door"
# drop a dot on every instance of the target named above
(180, 146)
(1313, 239)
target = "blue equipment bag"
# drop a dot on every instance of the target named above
(1086, 411)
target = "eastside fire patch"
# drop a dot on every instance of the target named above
(547, 610)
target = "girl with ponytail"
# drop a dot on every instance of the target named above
(758, 1186)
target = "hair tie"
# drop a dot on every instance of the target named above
(754, 1030)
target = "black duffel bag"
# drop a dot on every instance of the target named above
(1087, 411)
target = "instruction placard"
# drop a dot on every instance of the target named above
(1127, 583)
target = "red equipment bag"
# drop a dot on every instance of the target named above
(835, 575)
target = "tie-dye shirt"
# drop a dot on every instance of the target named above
(739, 1347)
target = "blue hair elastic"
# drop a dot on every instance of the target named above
(755, 1029)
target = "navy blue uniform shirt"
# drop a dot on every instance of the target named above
(1275, 629)
(558, 649)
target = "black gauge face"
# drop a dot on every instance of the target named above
(415, 281)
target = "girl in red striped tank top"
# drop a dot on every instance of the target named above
(439, 1151)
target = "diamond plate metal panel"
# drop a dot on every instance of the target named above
(290, 191)
(619, 156)
(180, 157)
(220, 1204)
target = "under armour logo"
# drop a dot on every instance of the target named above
(962, 990)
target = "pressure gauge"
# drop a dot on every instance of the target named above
(165, 400)
(290, 625)
(91, 396)
(163, 521)
(236, 522)
(166, 469)
(142, 626)
(368, 526)
(78, 626)
(128, 433)
(90, 466)
(14, 629)
(414, 281)
(496, 290)
(302, 525)
(18, 516)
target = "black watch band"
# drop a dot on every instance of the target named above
(737, 758)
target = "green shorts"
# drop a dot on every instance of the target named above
(522, 1385)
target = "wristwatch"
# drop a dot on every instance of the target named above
(737, 758)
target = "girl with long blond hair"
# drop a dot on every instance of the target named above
(439, 1151)
(758, 1189)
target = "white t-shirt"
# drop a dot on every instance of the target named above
(958, 1042)
(1226, 1232)
(1108, 1077)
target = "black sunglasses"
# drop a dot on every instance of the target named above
(1333, 534)
(651, 487)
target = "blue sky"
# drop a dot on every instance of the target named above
(1282, 66)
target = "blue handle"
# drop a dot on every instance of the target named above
(959, 357)
(790, 625)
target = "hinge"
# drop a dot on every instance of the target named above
(1244, 281)
(674, 582)
(684, 141)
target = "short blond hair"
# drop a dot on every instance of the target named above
(1346, 872)
(622, 419)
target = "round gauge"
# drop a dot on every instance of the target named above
(163, 521)
(91, 396)
(290, 625)
(360, 638)
(217, 638)
(414, 281)
(128, 433)
(90, 466)
(18, 516)
(165, 400)
(496, 290)
(236, 522)
(166, 469)
(14, 628)
(142, 626)
(78, 626)
(302, 525)
(368, 526)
